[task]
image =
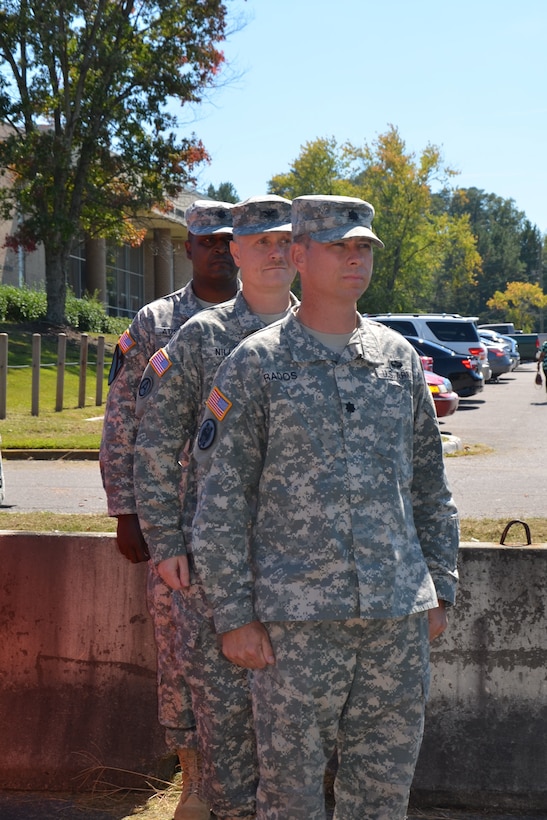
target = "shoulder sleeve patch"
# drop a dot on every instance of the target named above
(207, 433)
(160, 362)
(116, 365)
(218, 404)
(126, 341)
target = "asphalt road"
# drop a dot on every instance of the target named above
(56, 486)
(509, 417)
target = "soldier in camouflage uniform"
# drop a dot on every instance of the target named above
(214, 280)
(171, 399)
(542, 360)
(325, 534)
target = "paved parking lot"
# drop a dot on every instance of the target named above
(509, 481)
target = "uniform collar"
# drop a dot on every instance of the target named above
(251, 321)
(305, 348)
(190, 305)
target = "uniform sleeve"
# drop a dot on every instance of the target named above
(167, 424)
(120, 425)
(435, 514)
(229, 452)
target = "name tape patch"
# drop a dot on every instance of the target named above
(218, 404)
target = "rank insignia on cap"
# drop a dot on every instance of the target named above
(160, 362)
(218, 404)
(126, 341)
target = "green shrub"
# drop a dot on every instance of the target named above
(87, 314)
(22, 304)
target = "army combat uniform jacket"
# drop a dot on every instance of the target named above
(170, 404)
(323, 493)
(151, 328)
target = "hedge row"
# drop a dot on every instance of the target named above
(87, 314)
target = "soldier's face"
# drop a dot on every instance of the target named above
(211, 257)
(340, 270)
(264, 259)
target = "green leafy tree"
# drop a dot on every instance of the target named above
(509, 245)
(520, 303)
(224, 193)
(88, 138)
(531, 243)
(419, 239)
(323, 167)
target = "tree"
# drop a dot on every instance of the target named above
(224, 193)
(531, 244)
(519, 303)
(418, 240)
(89, 141)
(321, 168)
(509, 245)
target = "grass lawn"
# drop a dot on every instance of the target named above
(73, 428)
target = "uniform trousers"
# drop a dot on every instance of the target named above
(175, 712)
(222, 705)
(358, 685)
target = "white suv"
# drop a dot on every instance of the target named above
(459, 333)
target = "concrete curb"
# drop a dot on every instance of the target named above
(51, 455)
(451, 444)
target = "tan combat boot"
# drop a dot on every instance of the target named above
(190, 805)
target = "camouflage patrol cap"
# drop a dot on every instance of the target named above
(329, 218)
(262, 214)
(205, 216)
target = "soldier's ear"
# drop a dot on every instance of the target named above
(298, 254)
(234, 250)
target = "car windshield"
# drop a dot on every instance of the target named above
(454, 331)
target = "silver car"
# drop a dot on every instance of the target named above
(510, 345)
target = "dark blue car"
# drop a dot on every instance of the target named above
(463, 371)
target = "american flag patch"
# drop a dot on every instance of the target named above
(160, 361)
(218, 404)
(126, 342)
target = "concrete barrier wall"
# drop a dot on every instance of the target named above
(485, 743)
(77, 673)
(77, 663)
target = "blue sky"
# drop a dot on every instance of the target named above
(468, 77)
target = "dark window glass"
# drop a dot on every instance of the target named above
(454, 331)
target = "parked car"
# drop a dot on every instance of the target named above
(459, 333)
(527, 343)
(513, 350)
(444, 398)
(503, 327)
(463, 371)
(510, 345)
(499, 360)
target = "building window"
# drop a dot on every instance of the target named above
(124, 279)
(76, 271)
